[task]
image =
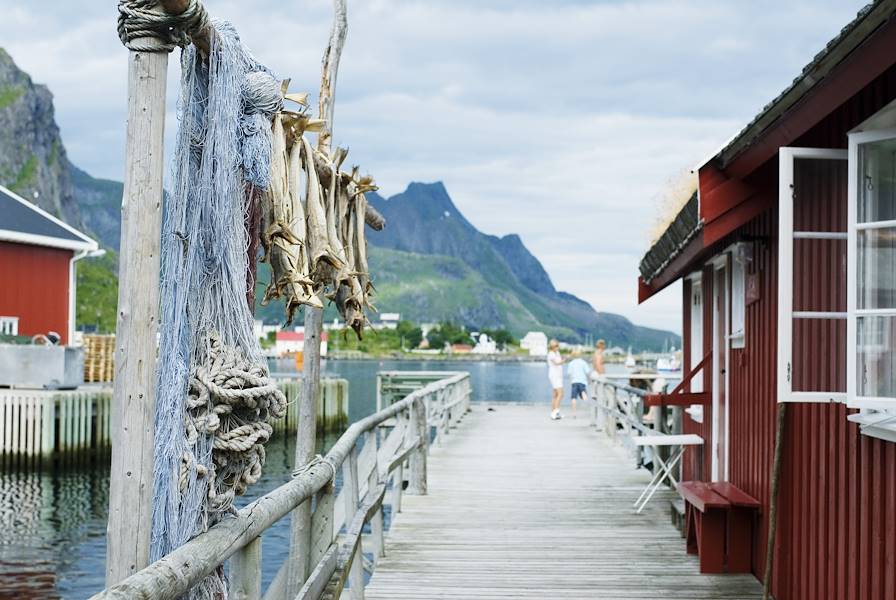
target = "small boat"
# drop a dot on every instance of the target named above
(665, 365)
(630, 360)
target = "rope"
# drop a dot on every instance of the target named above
(317, 460)
(143, 27)
(231, 399)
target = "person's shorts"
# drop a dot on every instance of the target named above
(578, 390)
(556, 382)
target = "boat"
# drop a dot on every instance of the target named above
(630, 360)
(666, 365)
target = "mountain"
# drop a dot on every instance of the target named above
(33, 162)
(430, 263)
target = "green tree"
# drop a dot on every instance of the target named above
(97, 292)
(449, 333)
(409, 333)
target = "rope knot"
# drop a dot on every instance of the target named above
(144, 27)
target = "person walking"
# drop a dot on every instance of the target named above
(555, 376)
(578, 371)
(597, 361)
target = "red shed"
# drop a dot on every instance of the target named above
(37, 266)
(788, 256)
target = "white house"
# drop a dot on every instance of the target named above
(290, 342)
(536, 342)
(485, 345)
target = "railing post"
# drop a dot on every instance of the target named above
(418, 424)
(322, 533)
(376, 521)
(245, 572)
(352, 489)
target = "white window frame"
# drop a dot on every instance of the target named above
(9, 325)
(786, 235)
(878, 416)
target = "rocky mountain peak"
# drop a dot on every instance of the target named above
(33, 162)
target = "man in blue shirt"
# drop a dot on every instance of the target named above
(578, 371)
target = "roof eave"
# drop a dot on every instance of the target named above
(851, 37)
(17, 237)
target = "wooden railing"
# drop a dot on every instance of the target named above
(371, 455)
(680, 397)
(618, 410)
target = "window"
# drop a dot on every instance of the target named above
(738, 295)
(813, 201)
(871, 285)
(9, 326)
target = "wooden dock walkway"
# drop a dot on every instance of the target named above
(523, 507)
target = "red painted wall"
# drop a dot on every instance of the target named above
(837, 504)
(34, 286)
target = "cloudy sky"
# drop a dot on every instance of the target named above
(564, 121)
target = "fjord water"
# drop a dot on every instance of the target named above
(53, 521)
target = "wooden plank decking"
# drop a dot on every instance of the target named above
(523, 507)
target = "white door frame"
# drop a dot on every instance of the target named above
(720, 430)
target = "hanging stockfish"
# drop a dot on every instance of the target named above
(322, 259)
(284, 238)
(214, 397)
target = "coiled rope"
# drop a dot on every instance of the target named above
(231, 399)
(144, 27)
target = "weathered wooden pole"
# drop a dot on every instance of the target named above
(134, 395)
(134, 390)
(300, 539)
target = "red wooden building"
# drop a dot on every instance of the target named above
(788, 256)
(37, 269)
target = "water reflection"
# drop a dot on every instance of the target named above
(53, 520)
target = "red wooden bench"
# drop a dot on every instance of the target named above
(705, 520)
(741, 516)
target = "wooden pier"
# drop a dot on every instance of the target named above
(519, 506)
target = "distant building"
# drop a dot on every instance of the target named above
(261, 330)
(389, 320)
(290, 342)
(37, 269)
(461, 348)
(536, 342)
(615, 351)
(485, 345)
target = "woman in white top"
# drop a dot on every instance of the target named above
(555, 376)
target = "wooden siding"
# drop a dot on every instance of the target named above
(35, 287)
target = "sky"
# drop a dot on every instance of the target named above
(564, 121)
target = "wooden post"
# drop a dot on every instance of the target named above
(306, 434)
(417, 484)
(245, 572)
(133, 407)
(376, 521)
(300, 539)
(351, 488)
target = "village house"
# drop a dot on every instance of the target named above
(291, 342)
(37, 269)
(787, 253)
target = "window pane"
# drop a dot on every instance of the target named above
(876, 268)
(819, 355)
(819, 275)
(877, 181)
(876, 361)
